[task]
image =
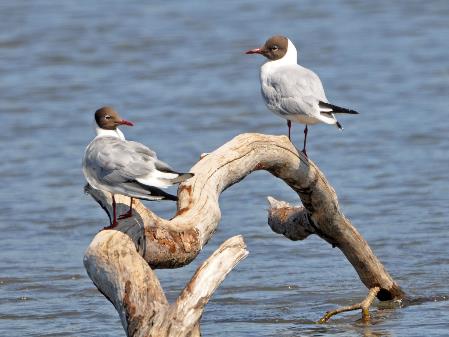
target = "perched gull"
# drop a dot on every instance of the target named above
(291, 91)
(119, 166)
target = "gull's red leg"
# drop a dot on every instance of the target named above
(305, 140)
(289, 124)
(129, 213)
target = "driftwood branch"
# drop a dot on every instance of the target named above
(296, 223)
(129, 283)
(119, 261)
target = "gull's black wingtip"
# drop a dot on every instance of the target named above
(171, 197)
(337, 109)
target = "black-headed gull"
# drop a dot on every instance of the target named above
(118, 166)
(291, 91)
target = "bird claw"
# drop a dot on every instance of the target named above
(305, 152)
(111, 226)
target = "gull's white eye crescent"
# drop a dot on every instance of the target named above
(107, 117)
(274, 48)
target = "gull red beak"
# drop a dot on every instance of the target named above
(254, 51)
(125, 122)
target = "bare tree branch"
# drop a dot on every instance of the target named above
(118, 261)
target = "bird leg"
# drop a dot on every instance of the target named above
(114, 214)
(305, 140)
(129, 213)
(289, 125)
(364, 305)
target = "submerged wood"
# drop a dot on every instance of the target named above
(118, 261)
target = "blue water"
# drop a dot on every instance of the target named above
(177, 70)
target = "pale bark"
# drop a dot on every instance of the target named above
(117, 260)
(124, 278)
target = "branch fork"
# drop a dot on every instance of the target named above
(120, 261)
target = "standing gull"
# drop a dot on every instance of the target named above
(291, 91)
(119, 166)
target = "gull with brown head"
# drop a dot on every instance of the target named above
(292, 91)
(118, 166)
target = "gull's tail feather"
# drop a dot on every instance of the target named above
(164, 179)
(163, 195)
(136, 189)
(157, 194)
(327, 107)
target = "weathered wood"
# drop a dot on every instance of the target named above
(124, 277)
(146, 239)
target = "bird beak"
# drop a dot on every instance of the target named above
(125, 122)
(254, 51)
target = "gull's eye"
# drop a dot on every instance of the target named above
(107, 117)
(274, 48)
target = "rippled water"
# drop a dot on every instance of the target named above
(177, 70)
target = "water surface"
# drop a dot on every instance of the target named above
(177, 70)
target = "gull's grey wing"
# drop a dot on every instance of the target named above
(149, 155)
(163, 167)
(124, 167)
(295, 90)
(116, 161)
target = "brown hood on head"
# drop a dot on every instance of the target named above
(107, 118)
(274, 48)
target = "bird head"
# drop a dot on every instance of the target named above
(108, 119)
